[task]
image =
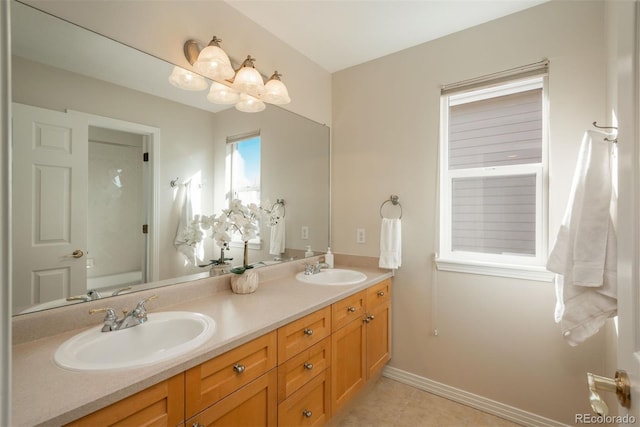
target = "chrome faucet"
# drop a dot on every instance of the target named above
(310, 269)
(131, 318)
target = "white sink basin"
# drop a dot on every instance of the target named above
(164, 336)
(332, 276)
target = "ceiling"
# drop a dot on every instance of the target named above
(338, 34)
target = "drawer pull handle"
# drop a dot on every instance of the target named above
(351, 309)
(381, 293)
(307, 413)
(308, 366)
(308, 332)
(239, 368)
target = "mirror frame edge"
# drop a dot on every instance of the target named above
(5, 220)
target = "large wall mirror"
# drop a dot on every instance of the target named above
(109, 159)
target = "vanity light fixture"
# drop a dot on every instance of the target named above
(185, 79)
(275, 91)
(213, 62)
(243, 87)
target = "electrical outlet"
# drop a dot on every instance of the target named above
(360, 235)
(304, 232)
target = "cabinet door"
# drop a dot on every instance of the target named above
(348, 362)
(159, 405)
(378, 338)
(310, 405)
(253, 405)
(212, 380)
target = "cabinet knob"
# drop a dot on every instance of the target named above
(351, 309)
(369, 318)
(308, 366)
(239, 368)
(381, 293)
(307, 413)
(197, 424)
(308, 332)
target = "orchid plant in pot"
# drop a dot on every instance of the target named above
(242, 220)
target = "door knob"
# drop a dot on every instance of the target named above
(620, 385)
(77, 253)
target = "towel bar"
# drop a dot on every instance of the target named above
(394, 201)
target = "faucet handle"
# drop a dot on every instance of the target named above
(110, 311)
(110, 318)
(141, 303)
(140, 312)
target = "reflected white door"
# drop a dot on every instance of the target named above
(49, 200)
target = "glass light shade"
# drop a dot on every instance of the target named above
(185, 79)
(249, 104)
(249, 80)
(214, 63)
(221, 94)
(275, 93)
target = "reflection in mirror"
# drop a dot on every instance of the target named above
(93, 214)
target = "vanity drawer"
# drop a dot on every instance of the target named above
(348, 309)
(298, 370)
(253, 405)
(212, 380)
(303, 333)
(309, 406)
(379, 294)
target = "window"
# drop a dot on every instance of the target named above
(243, 177)
(493, 179)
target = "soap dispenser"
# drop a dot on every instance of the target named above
(309, 252)
(328, 258)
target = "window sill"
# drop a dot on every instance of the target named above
(526, 272)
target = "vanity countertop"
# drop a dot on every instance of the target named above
(45, 394)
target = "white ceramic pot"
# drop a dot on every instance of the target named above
(244, 283)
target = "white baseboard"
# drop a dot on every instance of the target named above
(478, 402)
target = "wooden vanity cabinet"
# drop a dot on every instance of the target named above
(299, 375)
(158, 405)
(304, 370)
(360, 341)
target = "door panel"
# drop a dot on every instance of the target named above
(49, 204)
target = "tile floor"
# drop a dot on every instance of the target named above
(393, 404)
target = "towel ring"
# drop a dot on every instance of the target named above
(280, 204)
(394, 201)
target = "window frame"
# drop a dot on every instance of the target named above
(232, 148)
(514, 266)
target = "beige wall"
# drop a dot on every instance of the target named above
(497, 337)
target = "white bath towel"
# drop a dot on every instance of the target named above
(277, 240)
(584, 256)
(184, 240)
(390, 243)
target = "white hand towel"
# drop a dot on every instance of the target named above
(277, 241)
(390, 243)
(584, 256)
(183, 241)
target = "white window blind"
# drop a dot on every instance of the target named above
(492, 204)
